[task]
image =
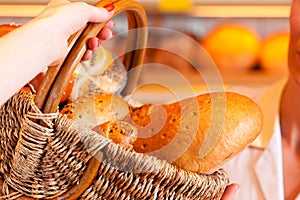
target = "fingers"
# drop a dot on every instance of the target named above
(93, 43)
(70, 17)
(230, 192)
(87, 55)
(64, 18)
(105, 34)
(110, 24)
(96, 16)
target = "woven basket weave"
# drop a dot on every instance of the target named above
(41, 161)
(45, 155)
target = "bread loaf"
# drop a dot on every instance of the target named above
(93, 110)
(198, 134)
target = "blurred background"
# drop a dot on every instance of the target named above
(199, 42)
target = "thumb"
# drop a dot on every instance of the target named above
(100, 14)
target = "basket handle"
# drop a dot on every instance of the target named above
(57, 78)
(60, 75)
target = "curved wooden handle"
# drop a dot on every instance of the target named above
(51, 74)
(56, 80)
(136, 41)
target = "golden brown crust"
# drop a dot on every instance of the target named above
(229, 120)
(197, 134)
(93, 110)
(120, 132)
(102, 113)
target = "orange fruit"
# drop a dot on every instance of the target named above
(274, 52)
(232, 47)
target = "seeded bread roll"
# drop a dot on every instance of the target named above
(120, 132)
(102, 74)
(93, 110)
(198, 134)
(103, 113)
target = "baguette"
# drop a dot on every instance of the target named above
(198, 134)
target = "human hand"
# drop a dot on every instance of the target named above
(230, 192)
(65, 18)
(95, 42)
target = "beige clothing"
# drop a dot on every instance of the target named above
(258, 169)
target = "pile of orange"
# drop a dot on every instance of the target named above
(237, 47)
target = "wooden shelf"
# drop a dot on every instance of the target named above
(199, 8)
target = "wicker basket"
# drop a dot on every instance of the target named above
(45, 155)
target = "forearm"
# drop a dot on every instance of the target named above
(43, 41)
(18, 56)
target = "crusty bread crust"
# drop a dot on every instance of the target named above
(198, 134)
(93, 110)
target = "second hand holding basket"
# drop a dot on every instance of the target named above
(52, 158)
